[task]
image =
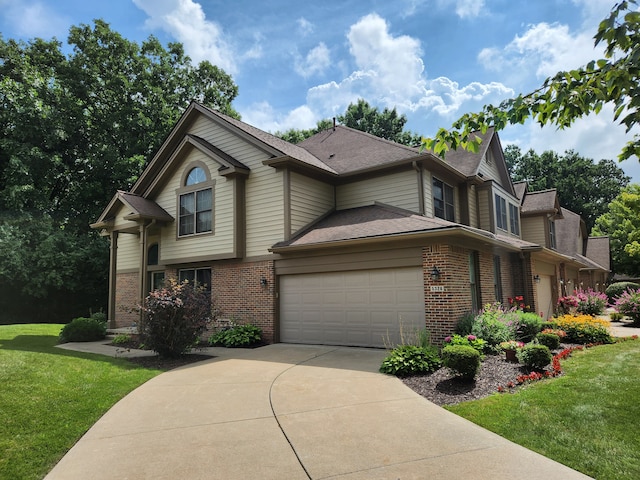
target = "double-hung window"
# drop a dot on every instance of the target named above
(552, 234)
(501, 212)
(196, 205)
(514, 218)
(443, 200)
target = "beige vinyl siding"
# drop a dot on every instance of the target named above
(128, 252)
(310, 199)
(264, 187)
(221, 242)
(489, 169)
(397, 189)
(473, 207)
(265, 210)
(484, 208)
(428, 193)
(533, 230)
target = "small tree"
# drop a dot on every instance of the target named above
(174, 317)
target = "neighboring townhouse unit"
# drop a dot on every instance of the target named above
(344, 239)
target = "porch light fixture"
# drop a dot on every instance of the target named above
(536, 278)
(435, 274)
(263, 282)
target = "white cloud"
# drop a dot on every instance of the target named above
(317, 61)
(390, 73)
(305, 27)
(185, 20)
(35, 19)
(265, 117)
(469, 8)
(544, 49)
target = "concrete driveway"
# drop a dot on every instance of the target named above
(291, 412)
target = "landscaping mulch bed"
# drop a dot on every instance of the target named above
(441, 388)
(159, 363)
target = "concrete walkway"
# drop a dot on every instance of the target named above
(291, 412)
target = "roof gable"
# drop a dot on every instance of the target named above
(141, 209)
(544, 201)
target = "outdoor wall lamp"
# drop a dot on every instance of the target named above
(536, 278)
(263, 282)
(435, 273)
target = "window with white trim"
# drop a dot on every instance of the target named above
(196, 206)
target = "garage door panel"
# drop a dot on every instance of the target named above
(351, 308)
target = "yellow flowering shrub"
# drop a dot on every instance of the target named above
(584, 329)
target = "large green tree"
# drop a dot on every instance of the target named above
(387, 124)
(74, 128)
(570, 95)
(573, 176)
(622, 224)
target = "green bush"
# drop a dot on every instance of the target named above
(468, 340)
(614, 290)
(464, 324)
(174, 317)
(83, 329)
(100, 317)
(121, 339)
(548, 325)
(616, 316)
(529, 325)
(407, 360)
(494, 325)
(535, 356)
(462, 360)
(550, 340)
(237, 335)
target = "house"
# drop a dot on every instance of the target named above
(344, 239)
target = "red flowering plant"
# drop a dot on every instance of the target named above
(517, 303)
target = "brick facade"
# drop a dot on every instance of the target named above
(238, 289)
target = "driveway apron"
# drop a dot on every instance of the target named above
(291, 412)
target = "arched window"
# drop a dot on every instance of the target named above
(195, 203)
(153, 255)
(196, 175)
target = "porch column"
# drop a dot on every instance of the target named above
(142, 279)
(113, 263)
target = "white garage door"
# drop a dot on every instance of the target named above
(360, 308)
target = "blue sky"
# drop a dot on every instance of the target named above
(297, 62)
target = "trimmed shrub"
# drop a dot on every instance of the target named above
(174, 317)
(529, 325)
(407, 360)
(548, 325)
(100, 317)
(550, 340)
(584, 329)
(462, 360)
(237, 335)
(83, 329)
(535, 356)
(614, 290)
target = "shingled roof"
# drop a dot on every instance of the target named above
(346, 150)
(599, 251)
(568, 230)
(468, 162)
(544, 201)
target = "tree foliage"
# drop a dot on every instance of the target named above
(569, 95)
(622, 224)
(74, 128)
(361, 116)
(573, 176)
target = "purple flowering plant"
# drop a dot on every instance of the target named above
(628, 303)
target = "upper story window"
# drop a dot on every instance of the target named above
(552, 234)
(195, 205)
(443, 200)
(514, 219)
(501, 212)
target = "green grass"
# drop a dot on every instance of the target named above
(586, 419)
(49, 397)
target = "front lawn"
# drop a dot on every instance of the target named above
(50, 397)
(586, 419)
